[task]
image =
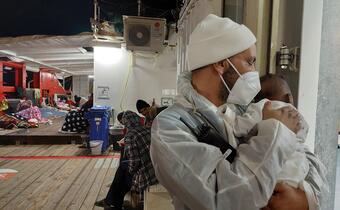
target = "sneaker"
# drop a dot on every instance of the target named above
(106, 206)
(100, 203)
(83, 146)
(109, 207)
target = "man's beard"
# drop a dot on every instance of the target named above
(224, 93)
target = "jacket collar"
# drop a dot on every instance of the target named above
(190, 98)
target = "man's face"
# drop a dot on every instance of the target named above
(144, 111)
(244, 62)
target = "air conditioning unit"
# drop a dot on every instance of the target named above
(144, 33)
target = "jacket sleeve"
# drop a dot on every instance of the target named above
(131, 154)
(315, 182)
(198, 175)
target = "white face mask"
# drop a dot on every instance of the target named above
(245, 88)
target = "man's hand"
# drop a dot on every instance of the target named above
(287, 115)
(286, 197)
(121, 142)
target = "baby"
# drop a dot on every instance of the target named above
(275, 88)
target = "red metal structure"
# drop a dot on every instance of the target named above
(44, 80)
(48, 83)
(20, 78)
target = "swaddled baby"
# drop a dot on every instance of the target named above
(275, 88)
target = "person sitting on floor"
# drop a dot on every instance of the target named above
(80, 101)
(24, 104)
(135, 171)
(77, 100)
(75, 121)
(28, 111)
(3, 103)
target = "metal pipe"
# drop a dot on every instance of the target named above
(98, 14)
(185, 10)
(139, 6)
(95, 10)
(63, 81)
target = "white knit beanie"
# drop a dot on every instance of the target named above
(215, 39)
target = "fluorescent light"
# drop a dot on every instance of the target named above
(32, 69)
(107, 55)
(91, 76)
(8, 68)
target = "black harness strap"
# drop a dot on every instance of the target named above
(207, 133)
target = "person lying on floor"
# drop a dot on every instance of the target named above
(135, 171)
(12, 120)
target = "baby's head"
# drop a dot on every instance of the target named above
(274, 88)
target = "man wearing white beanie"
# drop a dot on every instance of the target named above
(193, 148)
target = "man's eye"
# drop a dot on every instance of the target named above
(252, 62)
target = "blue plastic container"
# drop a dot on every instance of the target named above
(99, 117)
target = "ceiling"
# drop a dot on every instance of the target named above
(69, 54)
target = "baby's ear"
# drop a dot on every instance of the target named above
(289, 99)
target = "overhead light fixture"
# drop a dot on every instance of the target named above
(107, 55)
(91, 76)
(106, 43)
(8, 68)
(32, 68)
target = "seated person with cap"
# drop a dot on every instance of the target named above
(135, 172)
(149, 112)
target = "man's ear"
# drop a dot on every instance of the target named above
(221, 66)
